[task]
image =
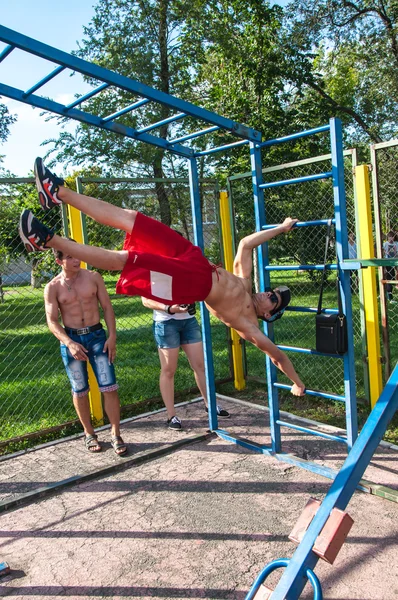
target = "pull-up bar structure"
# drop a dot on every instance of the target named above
(208, 123)
(241, 135)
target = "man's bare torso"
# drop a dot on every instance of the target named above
(230, 300)
(77, 299)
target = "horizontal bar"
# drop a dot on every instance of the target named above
(354, 265)
(119, 113)
(290, 165)
(243, 442)
(87, 96)
(295, 136)
(332, 267)
(226, 147)
(303, 223)
(7, 50)
(306, 309)
(284, 386)
(191, 136)
(43, 81)
(273, 184)
(163, 122)
(308, 350)
(372, 262)
(327, 436)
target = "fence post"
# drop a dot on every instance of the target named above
(78, 233)
(226, 229)
(369, 283)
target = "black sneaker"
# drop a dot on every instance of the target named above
(34, 234)
(221, 412)
(174, 423)
(47, 185)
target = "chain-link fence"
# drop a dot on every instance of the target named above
(384, 158)
(34, 390)
(306, 201)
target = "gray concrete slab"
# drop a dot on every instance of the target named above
(200, 522)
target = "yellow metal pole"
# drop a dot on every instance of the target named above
(226, 229)
(94, 395)
(369, 283)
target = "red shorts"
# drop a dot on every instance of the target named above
(162, 265)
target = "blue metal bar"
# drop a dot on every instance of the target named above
(43, 81)
(308, 351)
(295, 136)
(304, 223)
(119, 113)
(297, 180)
(352, 265)
(305, 309)
(339, 198)
(277, 564)
(7, 50)
(299, 267)
(196, 134)
(292, 581)
(163, 122)
(86, 96)
(264, 281)
(85, 117)
(248, 444)
(283, 457)
(284, 386)
(220, 148)
(125, 83)
(327, 436)
(197, 227)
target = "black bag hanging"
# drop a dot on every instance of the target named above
(331, 330)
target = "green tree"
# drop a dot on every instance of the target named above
(349, 60)
(6, 119)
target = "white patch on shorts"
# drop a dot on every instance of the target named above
(161, 285)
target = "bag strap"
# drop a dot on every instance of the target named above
(339, 303)
(319, 310)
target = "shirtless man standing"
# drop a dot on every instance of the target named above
(159, 264)
(76, 295)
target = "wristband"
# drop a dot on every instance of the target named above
(168, 310)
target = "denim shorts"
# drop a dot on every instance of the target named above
(175, 332)
(76, 370)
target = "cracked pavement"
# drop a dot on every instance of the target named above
(200, 522)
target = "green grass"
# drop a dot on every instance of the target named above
(35, 392)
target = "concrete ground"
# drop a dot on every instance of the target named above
(198, 520)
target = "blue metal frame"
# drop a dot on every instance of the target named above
(293, 579)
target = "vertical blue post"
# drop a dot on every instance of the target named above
(336, 142)
(264, 280)
(207, 347)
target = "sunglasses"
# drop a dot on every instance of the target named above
(273, 297)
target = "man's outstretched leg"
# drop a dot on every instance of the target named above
(52, 192)
(37, 236)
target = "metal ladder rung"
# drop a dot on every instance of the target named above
(308, 351)
(330, 396)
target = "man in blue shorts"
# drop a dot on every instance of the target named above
(76, 295)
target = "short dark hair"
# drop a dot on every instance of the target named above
(58, 253)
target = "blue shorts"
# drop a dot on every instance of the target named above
(173, 333)
(76, 370)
